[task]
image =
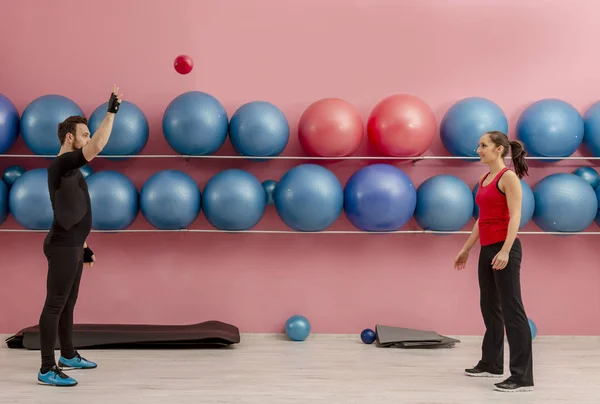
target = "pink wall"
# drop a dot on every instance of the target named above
(293, 53)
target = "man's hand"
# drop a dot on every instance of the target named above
(88, 257)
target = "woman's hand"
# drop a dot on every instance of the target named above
(500, 260)
(461, 259)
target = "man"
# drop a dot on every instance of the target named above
(65, 245)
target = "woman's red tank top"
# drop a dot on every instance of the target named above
(493, 211)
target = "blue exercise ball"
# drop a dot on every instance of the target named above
(86, 171)
(130, 129)
(564, 203)
(297, 328)
(368, 336)
(466, 121)
(527, 203)
(115, 200)
(589, 174)
(39, 123)
(591, 125)
(444, 203)
(259, 128)
(12, 173)
(309, 197)
(29, 200)
(597, 192)
(550, 128)
(533, 328)
(9, 124)
(3, 202)
(379, 197)
(269, 186)
(170, 200)
(234, 200)
(195, 123)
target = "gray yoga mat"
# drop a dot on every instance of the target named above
(400, 337)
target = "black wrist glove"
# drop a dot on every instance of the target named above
(113, 104)
(87, 254)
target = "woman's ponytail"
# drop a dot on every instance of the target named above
(518, 154)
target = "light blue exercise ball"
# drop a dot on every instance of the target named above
(234, 200)
(297, 327)
(170, 200)
(466, 121)
(40, 119)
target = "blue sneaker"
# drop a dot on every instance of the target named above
(55, 377)
(78, 362)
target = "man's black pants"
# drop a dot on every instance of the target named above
(65, 265)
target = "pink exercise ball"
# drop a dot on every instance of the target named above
(330, 127)
(401, 125)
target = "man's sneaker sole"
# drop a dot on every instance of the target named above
(483, 374)
(41, 383)
(516, 390)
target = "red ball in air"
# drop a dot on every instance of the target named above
(183, 64)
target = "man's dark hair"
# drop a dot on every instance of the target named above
(69, 125)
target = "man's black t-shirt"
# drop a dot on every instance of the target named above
(70, 201)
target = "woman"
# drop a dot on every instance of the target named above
(499, 201)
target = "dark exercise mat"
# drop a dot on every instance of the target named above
(399, 337)
(209, 334)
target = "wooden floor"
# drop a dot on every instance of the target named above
(324, 369)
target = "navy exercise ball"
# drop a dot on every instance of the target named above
(309, 197)
(39, 123)
(12, 173)
(564, 203)
(591, 125)
(550, 128)
(29, 200)
(115, 200)
(234, 200)
(589, 174)
(9, 124)
(444, 203)
(3, 202)
(379, 197)
(170, 199)
(259, 128)
(130, 129)
(368, 336)
(269, 186)
(466, 121)
(195, 123)
(527, 203)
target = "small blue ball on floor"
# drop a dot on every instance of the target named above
(297, 327)
(533, 329)
(368, 336)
